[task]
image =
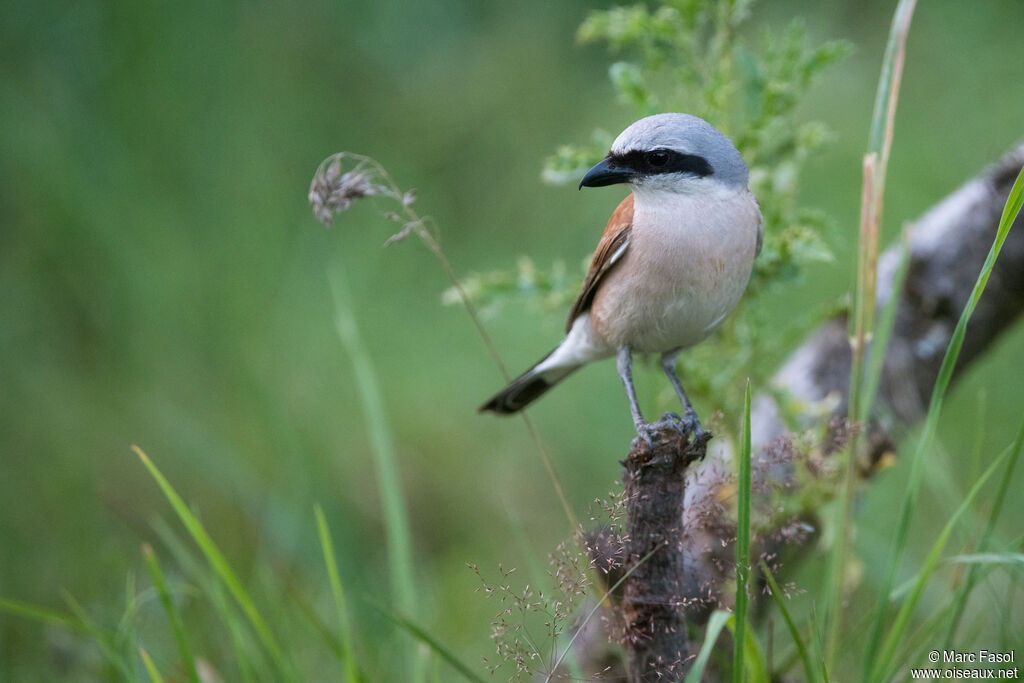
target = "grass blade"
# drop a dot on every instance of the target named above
(440, 650)
(221, 568)
(40, 614)
(755, 665)
(396, 522)
(718, 621)
(993, 517)
(780, 602)
(899, 626)
(331, 640)
(883, 334)
(103, 640)
(816, 647)
(396, 519)
(862, 320)
(1007, 625)
(188, 660)
(1010, 211)
(351, 673)
(154, 674)
(242, 650)
(982, 559)
(742, 544)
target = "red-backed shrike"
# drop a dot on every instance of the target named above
(672, 264)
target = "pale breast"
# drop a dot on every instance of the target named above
(687, 265)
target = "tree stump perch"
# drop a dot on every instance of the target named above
(653, 600)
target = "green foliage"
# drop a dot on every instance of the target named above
(327, 546)
(399, 542)
(717, 621)
(156, 574)
(881, 667)
(692, 56)
(161, 284)
(931, 422)
(223, 571)
(116, 645)
(794, 633)
(861, 321)
(550, 290)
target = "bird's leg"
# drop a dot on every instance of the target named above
(624, 363)
(689, 422)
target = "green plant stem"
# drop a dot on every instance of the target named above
(887, 650)
(883, 333)
(327, 546)
(418, 225)
(188, 660)
(428, 239)
(1010, 211)
(396, 524)
(208, 583)
(154, 673)
(997, 507)
(718, 620)
(875, 163)
(219, 564)
(790, 625)
(420, 634)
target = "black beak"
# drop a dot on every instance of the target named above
(605, 173)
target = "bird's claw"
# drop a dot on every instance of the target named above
(645, 430)
(692, 423)
(687, 424)
(674, 421)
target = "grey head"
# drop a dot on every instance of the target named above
(672, 152)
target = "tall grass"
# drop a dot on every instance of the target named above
(794, 633)
(257, 640)
(396, 523)
(340, 604)
(881, 661)
(931, 421)
(222, 569)
(181, 638)
(273, 662)
(862, 319)
(986, 537)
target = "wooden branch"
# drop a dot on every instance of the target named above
(653, 598)
(948, 246)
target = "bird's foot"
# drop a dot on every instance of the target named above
(645, 430)
(687, 425)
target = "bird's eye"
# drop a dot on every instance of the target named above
(657, 158)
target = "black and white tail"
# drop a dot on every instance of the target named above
(576, 350)
(528, 387)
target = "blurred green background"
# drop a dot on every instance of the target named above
(163, 283)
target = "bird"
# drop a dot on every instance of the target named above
(673, 262)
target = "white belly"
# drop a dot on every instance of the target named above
(686, 267)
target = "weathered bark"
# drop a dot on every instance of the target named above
(948, 246)
(653, 597)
